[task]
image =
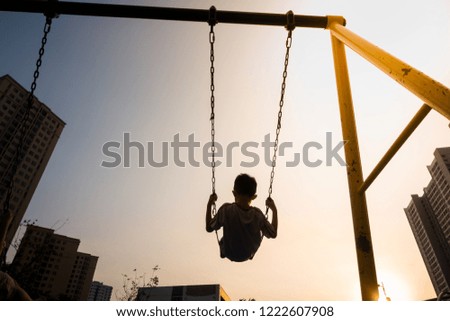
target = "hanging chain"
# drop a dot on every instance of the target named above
(212, 39)
(290, 26)
(25, 119)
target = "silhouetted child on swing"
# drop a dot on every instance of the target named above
(243, 225)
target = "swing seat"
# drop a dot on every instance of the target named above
(240, 256)
(238, 249)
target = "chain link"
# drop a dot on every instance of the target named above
(212, 39)
(280, 115)
(20, 151)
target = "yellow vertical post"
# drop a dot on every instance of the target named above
(363, 239)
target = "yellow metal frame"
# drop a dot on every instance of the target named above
(434, 95)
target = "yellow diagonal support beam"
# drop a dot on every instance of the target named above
(431, 92)
(409, 129)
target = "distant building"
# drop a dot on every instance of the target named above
(100, 292)
(210, 292)
(43, 131)
(429, 217)
(49, 267)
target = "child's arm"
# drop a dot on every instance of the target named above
(271, 204)
(212, 200)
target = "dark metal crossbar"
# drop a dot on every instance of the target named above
(158, 13)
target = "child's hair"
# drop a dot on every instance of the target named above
(245, 185)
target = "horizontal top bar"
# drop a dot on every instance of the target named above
(158, 13)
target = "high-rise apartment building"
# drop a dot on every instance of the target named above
(100, 292)
(49, 266)
(429, 217)
(43, 131)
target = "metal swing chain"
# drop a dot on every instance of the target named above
(290, 26)
(25, 119)
(212, 39)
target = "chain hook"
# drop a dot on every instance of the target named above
(290, 21)
(51, 11)
(212, 19)
(290, 26)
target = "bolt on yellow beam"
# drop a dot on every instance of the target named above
(431, 92)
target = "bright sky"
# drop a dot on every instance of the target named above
(105, 77)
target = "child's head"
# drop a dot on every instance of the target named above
(245, 185)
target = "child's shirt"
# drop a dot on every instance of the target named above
(242, 231)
